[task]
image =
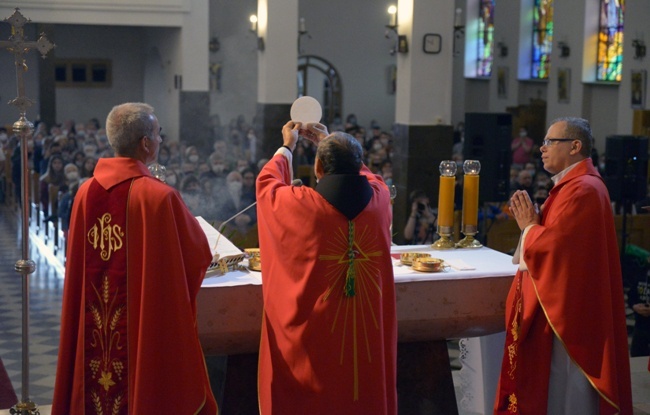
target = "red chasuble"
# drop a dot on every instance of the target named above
(329, 333)
(573, 289)
(137, 257)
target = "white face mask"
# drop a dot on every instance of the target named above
(171, 180)
(217, 168)
(3, 138)
(193, 158)
(234, 186)
(523, 134)
(72, 176)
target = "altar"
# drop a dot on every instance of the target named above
(465, 300)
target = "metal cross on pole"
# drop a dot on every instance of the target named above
(19, 46)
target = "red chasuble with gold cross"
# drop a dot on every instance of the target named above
(329, 333)
(136, 260)
(573, 290)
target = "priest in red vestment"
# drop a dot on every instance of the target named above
(566, 346)
(329, 331)
(137, 257)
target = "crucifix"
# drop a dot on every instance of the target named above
(19, 46)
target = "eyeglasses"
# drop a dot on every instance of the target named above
(549, 141)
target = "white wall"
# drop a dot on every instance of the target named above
(238, 59)
(87, 42)
(350, 35)
(162, 51)
(637, 16)
(600, 102)
(117, 31)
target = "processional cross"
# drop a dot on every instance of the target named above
(19, 46)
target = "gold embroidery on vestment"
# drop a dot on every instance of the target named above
(105, 236)
(512, 403)
(351, 250)
(106, 316)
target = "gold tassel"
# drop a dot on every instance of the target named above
(350, 275)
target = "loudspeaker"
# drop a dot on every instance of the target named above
(487, 139)
(626, 167)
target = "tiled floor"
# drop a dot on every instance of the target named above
(46, 288)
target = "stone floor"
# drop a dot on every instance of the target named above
(46, 288)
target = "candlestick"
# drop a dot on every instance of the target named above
(301, 25)
(469, 227)
(446, 205)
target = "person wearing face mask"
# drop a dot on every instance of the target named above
(522, 147)
(67, 193)
(233, 200)
(163, 155)
(191, 160)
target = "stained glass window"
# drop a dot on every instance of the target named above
(542, 38)
(485, 38)
(610, 41)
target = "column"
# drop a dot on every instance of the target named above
(423, 138)
(277, 66)
(424, 134)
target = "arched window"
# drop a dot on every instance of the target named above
(542, 38)
(610, 41)
(485, 38)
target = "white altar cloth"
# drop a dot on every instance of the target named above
(486, 263)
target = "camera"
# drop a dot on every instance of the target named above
(421, 207)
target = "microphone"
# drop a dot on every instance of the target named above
(295, 182)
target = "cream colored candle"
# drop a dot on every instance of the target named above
(470, 200)
(446, 201)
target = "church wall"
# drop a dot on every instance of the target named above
(506, 22)
(350, 35)
(161, 87)
(233, 80)
(637, 14)
(123, 46)
(600, 102)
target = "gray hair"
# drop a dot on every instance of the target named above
(340, 153)
(126, 124)
(578, 129)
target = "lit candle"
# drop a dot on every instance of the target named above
(392, 11)
(253, 20)
(301, 26)
(470, 193)
(446, 193)
(458, 17)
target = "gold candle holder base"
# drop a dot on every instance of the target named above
(469, 242)
(445, 241)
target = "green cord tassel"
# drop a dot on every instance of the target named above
(350, 275)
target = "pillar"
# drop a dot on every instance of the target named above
(423, 131)
(277, 62)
